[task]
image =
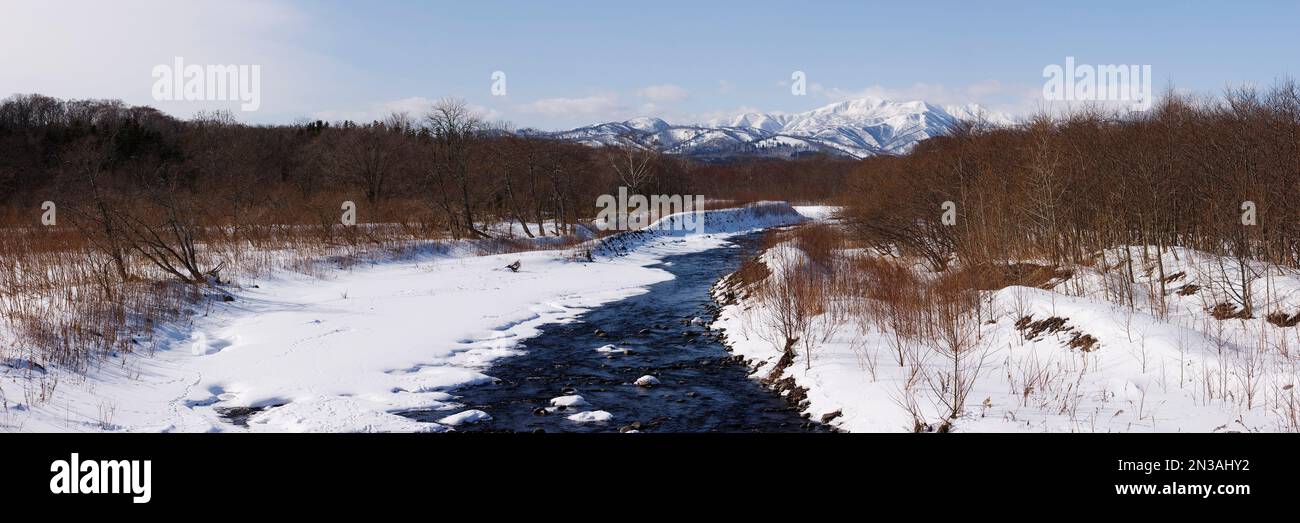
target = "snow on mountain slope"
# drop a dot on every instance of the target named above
(767, 122)
(979, 113)
(856, 128)
(647, 124)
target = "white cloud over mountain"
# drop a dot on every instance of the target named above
(663, 93)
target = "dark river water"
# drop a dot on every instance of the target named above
(701, 388)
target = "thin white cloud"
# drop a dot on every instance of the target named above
(722, 115)
(415, 106)
(663, 93)
(560, 106)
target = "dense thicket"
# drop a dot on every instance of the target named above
(445, 170)
(1185, 173)
(816, 179)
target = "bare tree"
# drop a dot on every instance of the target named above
(367, 157)
(955, 329)
(454, 128)
(166, 233)
(97, 218)
(633, 165)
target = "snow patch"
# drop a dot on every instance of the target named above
(572, 400)
(591, 416)
(468, 416)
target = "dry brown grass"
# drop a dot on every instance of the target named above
(64, 304)
(820, 242)
(1281, 319)
(991, 277)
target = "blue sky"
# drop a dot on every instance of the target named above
(577, 62)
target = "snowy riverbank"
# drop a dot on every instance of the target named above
(1147, 369)
(344, 352)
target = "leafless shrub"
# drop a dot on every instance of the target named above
(950, 310)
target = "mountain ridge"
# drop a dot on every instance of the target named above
(857, 128)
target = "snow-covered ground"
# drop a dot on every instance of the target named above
(817, 212)
(345, 352)
(1176, 370)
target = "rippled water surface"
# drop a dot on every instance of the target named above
(701, 387)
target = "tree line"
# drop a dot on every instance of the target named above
(137, 183)
(447, 170)
(1217, 174)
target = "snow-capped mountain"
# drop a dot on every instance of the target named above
(856, 128)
